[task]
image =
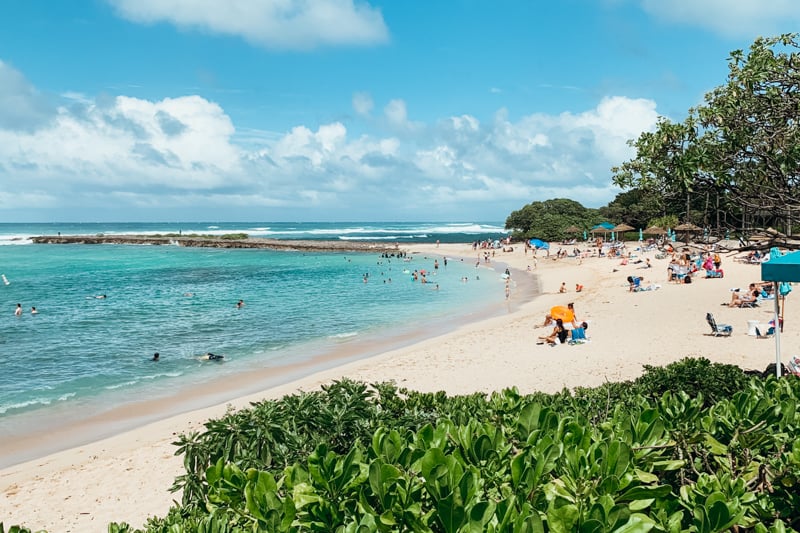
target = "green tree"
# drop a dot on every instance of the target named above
(737, 155)
(636, 207)
(548, 220)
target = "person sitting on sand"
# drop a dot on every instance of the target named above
(563, 287)
(579, 332)
(558, 336)
(738, 299)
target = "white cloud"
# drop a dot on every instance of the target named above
(395, 112)
(181, 153)
(21, 105)
(178, 143)
(741, 18)
(362, 104)
(292, 24)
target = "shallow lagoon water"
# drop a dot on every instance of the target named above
(81, 350)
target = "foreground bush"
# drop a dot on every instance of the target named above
(662, 453)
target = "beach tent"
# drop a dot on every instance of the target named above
(780, 269)
(603, 227)
(539, 243)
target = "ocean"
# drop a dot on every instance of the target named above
(84, 355)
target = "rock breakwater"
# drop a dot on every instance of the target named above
(214, 242)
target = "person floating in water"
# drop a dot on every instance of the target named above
(214, 357)
(239, 304)
(34, 311)
(156, 357)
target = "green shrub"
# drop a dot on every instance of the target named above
(693, 446)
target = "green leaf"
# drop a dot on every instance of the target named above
(645, 477)
(637, 523)
(644, 493)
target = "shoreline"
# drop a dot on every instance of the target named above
(65, 429)
(126, 477)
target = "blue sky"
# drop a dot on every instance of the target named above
(344, 110)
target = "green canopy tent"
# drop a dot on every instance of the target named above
(780, 269)
(603, 227)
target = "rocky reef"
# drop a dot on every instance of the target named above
(215, 242)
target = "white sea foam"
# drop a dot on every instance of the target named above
(15, 239)
(121, 385)
(163, 374)
(345, 335)
(22, 405)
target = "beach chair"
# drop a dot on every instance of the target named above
(749, 304)
(718, 330)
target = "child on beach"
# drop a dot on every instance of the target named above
(563, 287)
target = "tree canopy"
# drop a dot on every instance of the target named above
(549, 220)
(735, 160)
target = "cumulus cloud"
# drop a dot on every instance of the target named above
(536, 157)
(742, 18)
(21, 105)
(177, 153)
(180, 143)
(287, 24)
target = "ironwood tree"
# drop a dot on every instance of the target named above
(737, 156)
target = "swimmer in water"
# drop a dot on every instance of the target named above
(155, 357)
(212, 357)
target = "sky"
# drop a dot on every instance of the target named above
(344, 110)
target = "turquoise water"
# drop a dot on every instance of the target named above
(81, 351)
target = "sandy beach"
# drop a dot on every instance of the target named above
(126, 478)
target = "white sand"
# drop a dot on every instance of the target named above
(126, 478)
